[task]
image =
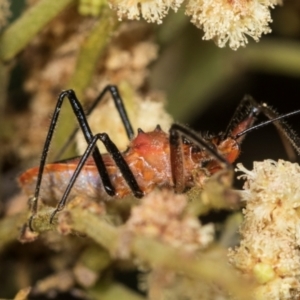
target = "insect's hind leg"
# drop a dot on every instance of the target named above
(113, 90)
(118, 101)
(83, 124)
(118, 159)
(177, 133)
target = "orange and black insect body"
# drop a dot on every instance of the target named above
(179, 159)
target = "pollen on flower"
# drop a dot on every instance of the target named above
(152, 11)
(269, 249)
(231, 21)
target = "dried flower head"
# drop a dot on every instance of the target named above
(161, 215)
(269, 249)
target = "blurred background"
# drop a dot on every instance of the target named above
(200, 83)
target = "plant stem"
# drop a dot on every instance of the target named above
(20, 33)
(204, 267)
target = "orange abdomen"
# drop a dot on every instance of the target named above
(147, 157)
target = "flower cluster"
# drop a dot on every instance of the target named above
(269, 249)
(162, 216)
(231, 21)
(126, 65)
(151, 11)
(224, 21)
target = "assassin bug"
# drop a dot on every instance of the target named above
(179, 160)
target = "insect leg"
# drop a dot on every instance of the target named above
(81, 118)
(245, 116)
(118, 159)
(119, 106)
(177, 133)
(113, 90)
(289, 137)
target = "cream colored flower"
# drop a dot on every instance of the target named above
(231, 21)
(269, 249)
(224, 21)
(162, 215)
(151, 10)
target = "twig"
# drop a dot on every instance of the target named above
(205, 267)
(20, 33)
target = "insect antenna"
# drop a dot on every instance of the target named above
(284, 128)
(245, 116)
(262, 124)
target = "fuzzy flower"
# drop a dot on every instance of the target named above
(161, 215)
(231, 21)
(151, 10)
(224, 21)
(269, 249)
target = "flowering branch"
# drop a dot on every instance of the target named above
(121, 242)
(269, 249)
(224, 21)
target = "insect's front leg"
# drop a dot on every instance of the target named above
(119, 104)
(177, 133)
(246, 115)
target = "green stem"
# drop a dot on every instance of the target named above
(205, 267)
(91, 50)
(20, 33)
(112, 292)
(10, 228)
